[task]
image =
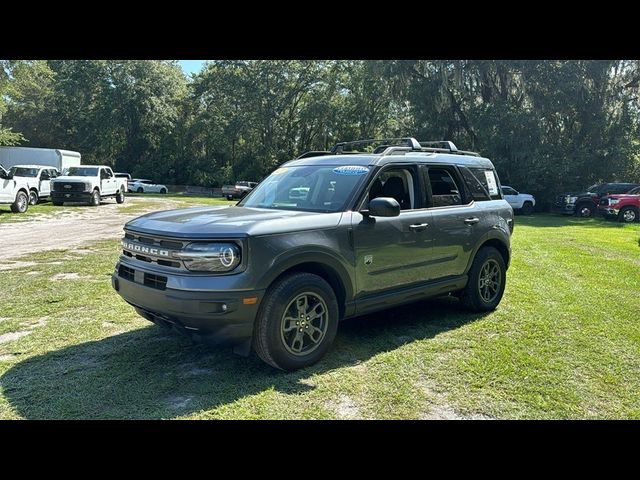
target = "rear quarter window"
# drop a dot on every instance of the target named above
(488, 179)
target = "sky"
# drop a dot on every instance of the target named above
(191, 66)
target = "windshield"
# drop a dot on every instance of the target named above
(24, 172)
(635, 191)
(82, 171)
(316, 188)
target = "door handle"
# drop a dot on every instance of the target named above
(471, 221)
(417, 227)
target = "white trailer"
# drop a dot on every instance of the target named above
(47, 157)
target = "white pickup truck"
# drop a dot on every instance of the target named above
(87, 183)
(523, 202)
(38, 178)
(14, 191)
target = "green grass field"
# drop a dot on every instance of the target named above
(564, 343)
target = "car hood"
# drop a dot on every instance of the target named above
(68, 178)
(225, 222)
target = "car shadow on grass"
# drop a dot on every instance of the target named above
(558, 220)
(149, 373)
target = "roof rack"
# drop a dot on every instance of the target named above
(406, 144)
(412, 143)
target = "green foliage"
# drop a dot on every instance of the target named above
(548, 125)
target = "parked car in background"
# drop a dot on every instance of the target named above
(238, 189)
(585, 204)
(14, 191)
(523, 202)
(625, 207)
(139, 185)
(38, 178)
(87, 183)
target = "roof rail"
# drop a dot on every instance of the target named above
(443, 144)
(313, 153)
(407, 141)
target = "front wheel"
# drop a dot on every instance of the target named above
(628, 215)
(163, 191)
(297, 322)
(487, 279)
(95, 198)
(140, 190)
(584, 210)
(229, 197)
(120, 196)
(527, 208)
(21, 204)
(33, 197)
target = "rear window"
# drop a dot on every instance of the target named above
(488, 179)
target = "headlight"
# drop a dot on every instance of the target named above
(210, 257)
(614, 201)
(571, 199)
(87, 187)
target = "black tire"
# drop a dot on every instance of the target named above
(629, 215)
(95, 198)
(140, 190)
(33, 197)
(527, 208)
(21, 204)
(585, 210)
(274, 340)
(163, 191)
(56, 203)
(229, 197)
(471, 297)
(120, 196)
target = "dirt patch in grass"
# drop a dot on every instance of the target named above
(345, 408)
(10, 265)
(179, 402)
(9, 337)
(439, 409)
(7, 357)
(69, 276)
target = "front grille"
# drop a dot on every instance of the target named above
(152, 250)
(158, 282)
(68, 187)
(127, 273)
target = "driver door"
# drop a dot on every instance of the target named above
(45, 182)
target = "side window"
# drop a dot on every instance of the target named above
(103, 174)
(445, 191)
(489, 180)
(508, 191)
(478, 191)
(398, 183)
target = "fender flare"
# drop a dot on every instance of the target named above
(494, 234)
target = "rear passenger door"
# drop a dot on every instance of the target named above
(457, 221)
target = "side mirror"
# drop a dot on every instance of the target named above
(384, 207)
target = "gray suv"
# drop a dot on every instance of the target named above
(328, 236)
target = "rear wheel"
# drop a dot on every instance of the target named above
(140, 190)
(95, 198)
(33, 197)
(163, 190)
(584, 210)
(120, 196)
(487, 279)
(297, 322)
(527, 208)
(21, 204)
(628, 215)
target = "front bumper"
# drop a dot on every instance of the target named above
(216, 317)
(608, 212)
(565, 208)
(71, 196)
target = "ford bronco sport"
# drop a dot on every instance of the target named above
(278, 270)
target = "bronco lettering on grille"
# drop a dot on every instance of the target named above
(142, 249)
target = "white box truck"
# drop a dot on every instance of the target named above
(47, 157)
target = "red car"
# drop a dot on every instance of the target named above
(626, 208)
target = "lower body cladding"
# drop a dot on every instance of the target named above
(213, 317)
